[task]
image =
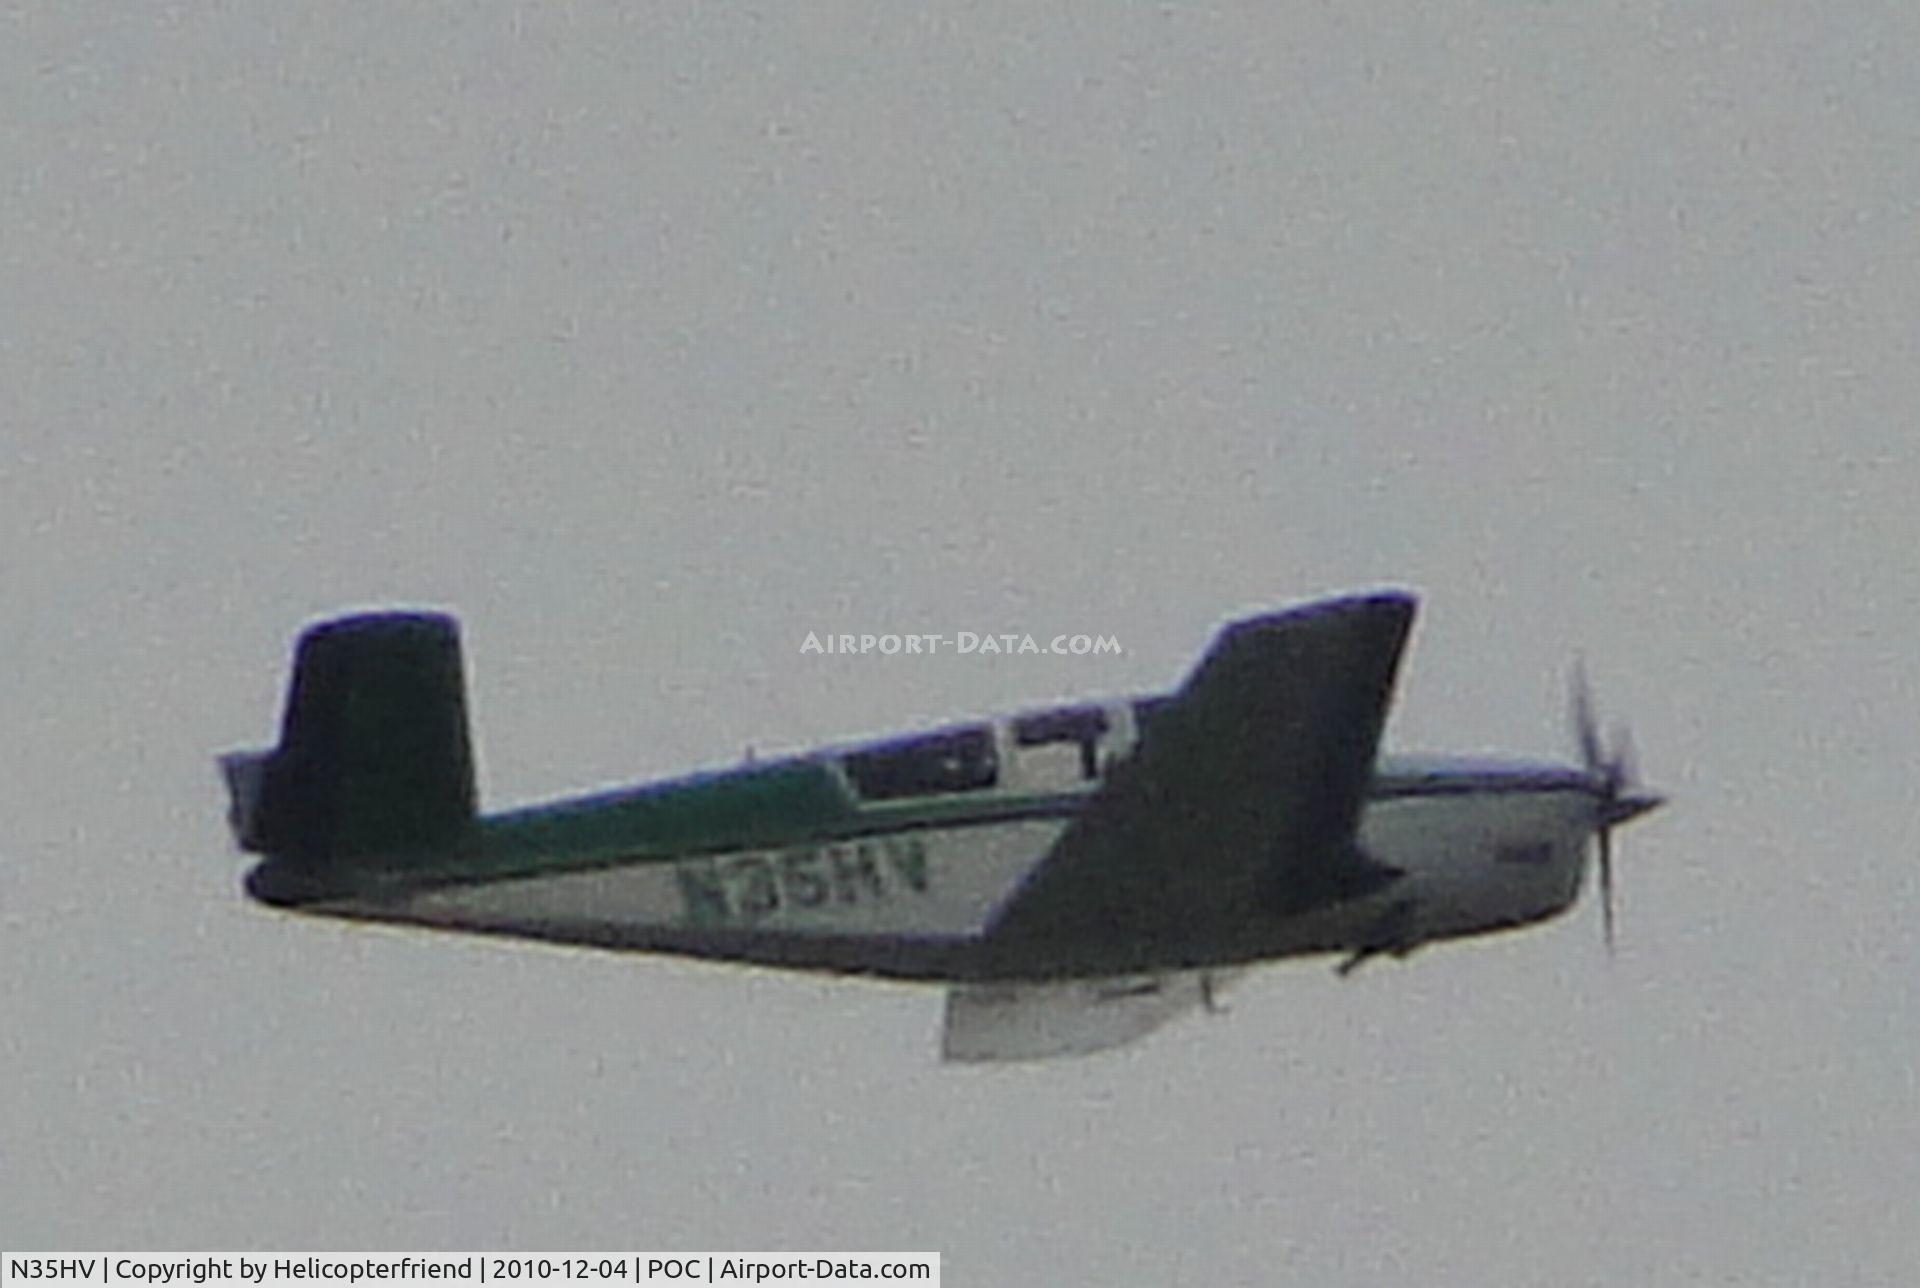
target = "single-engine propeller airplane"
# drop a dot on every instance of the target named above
(1077, 875)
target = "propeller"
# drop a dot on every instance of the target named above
(1615, 783)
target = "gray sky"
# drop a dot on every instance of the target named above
(651, 337)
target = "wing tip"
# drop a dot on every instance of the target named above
(1388, 603)
(1383, 615)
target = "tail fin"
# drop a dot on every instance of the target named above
(374, 759)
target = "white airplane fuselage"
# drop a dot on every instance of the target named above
(1482, 846)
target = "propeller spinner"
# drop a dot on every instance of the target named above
(1614, 783)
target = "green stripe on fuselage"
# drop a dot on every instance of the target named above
(734, 810)
(751, 808)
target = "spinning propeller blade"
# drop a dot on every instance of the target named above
(1612, 772)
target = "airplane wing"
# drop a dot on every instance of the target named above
(1238, 805)
(987, 1022)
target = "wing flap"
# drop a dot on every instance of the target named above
(997, 1022)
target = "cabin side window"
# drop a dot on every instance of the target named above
(1081, 727)
(960, 761)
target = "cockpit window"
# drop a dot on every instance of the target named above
(962, 760)
(1064, 724)
(1082, 726)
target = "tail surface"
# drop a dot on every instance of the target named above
(374, 760)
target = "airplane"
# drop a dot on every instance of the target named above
(1076, 875)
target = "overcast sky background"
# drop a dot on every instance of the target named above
(651, 337)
